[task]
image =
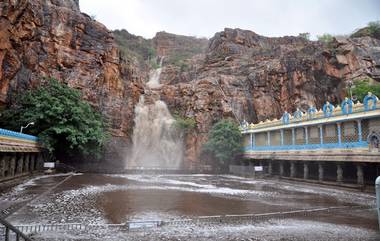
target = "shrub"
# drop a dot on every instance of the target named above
(184, 124)
(372, 30)
(304, 35)
(63, 121)
(362, 87)
(224, 142)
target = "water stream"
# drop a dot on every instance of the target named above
(157, 144)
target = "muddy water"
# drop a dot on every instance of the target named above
(90, 198)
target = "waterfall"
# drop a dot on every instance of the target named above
(157, 144)
(154, 76)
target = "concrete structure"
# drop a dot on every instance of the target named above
(20, 155)
(340, 143)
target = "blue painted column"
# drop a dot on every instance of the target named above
(306, 135)
(360, 138)
(338, 125)
(282, 137)
(268, 138)
(250, 141)
(293, 137)
(321, 134)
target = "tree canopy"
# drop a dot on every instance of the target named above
(224, 141)
(63, 121)
(362, 87)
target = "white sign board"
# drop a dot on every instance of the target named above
(49, 164)
(258, 168)
(138, 225)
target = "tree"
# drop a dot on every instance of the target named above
(64, 123)
(362, 87)
(224, 142)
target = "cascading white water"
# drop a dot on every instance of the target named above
(154, 76)
(157, 144)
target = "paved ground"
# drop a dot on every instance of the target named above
(102, 199)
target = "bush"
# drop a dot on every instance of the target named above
(372, 30)
(304, 35)
(325, 38)
(63, 121)
(362, 87)
(184, 124)
(224, 142)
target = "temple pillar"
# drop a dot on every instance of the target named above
(320, 172)
(20, 163)
(359, 122)
(338, 125)
(292, 169)
(12, 165)
(282, 136)
(339, 173)
(321, 134)
(270, 168)
(31, 162)
(250, 141)
(360, 174)
(281, 169)
(293, 137)
(26, 162)
(2, 165)
(268, 138)
(306, 135)
(305, 170)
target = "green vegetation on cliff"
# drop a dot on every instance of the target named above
(64, 123)
(362, 87)
(372, 30)
(185, 124)
(224, 142)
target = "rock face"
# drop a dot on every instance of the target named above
(52, 38)
(247, 76)
(237, 74)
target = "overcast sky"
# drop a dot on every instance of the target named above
(204, 18)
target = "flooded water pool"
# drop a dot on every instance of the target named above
(113, 199)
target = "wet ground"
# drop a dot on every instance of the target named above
(103, 199)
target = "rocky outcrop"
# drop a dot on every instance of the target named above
(247, 76)
(52, 38)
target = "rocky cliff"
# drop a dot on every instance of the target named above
(52, 38)
(247, 76)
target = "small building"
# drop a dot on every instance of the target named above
(20, 155)
(337, 143)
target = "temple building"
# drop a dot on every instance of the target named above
(336, 143)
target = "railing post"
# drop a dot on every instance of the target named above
(377, 186)
(6, 234)
(360, 138)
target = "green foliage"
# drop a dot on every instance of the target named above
(304, 35)
(184, 124)
(362, 87)
(372, 30)
(224, 141)
(326, 38)
(64, 122)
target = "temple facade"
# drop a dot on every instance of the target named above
(335, 143)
